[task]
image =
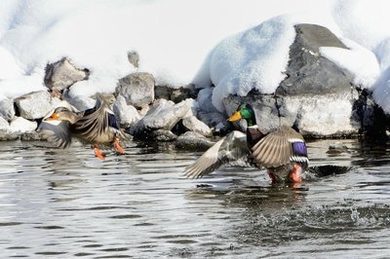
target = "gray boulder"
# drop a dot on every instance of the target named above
(163, 135)
(193, 141)
(193, 124)
(133, 58)
(175, 94)
(137, 88)
(4, 125)
(127, 114)
(21, 125)
(162, 115)
(317, 96)
(62, 74)
(35, 105)
(7, 109)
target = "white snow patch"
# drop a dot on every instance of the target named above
(361, 62)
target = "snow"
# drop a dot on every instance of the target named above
(234, 45)
(358, 60)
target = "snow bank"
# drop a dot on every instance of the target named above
(174, 39)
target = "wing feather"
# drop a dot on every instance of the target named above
(229, 149)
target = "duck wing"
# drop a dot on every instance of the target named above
(229, 150)
(96, 122)
(58, 133)
(279, 148)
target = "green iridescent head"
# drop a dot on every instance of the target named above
(246, 112)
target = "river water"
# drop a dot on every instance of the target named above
(67, 204)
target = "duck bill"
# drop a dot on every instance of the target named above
(53, 117)
(235, 117)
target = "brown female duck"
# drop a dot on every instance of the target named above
(96, 126)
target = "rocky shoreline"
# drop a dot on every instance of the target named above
(317, 97)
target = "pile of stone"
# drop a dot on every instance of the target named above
(185, 115)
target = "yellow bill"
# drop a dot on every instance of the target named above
(235, 117)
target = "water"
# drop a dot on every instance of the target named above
(67, 204)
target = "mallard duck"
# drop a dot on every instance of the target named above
(97, 125)
(282, 152)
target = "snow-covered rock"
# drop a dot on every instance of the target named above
(35, 105)
(317, 96)
(7, 109)
(137, 88)
(127, 114)
(21, 125)
(62, 74)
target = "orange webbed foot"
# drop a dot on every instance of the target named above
(118, 148)
(99, 153)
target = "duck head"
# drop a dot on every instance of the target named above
(246, 112)
(62, 114)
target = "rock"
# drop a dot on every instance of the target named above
(80, 102)
(162, 115)
(127, 114)
(163, 135)
(195, 125)
(193, 141)
(316, 97)
(336, 148)
(372, 118)
(175, 94)
(133, 58)
(7, 135)
(310, 73)
(32, 136)
(21, 125)
(7, 109)
(137, 88)
(207, 112)
(62, 74)
(4, 125)
(35, 105)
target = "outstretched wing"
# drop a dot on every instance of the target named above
(280, 148)
(57, 133)
(229, 150)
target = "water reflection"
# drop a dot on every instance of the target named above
(66, 203)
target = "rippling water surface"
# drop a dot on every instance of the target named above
(66, 203)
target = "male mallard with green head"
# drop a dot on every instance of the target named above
(97, 125)
(283, 151)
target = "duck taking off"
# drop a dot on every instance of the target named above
(282, 151)
(95, 126)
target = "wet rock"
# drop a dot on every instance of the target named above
(21, 125)
(193, 141)
(7, 135)
(127, 114)
(195, 125)
(7, 109)
(35, 105)
(32, 136)
(336, 148)
(162, 115)
(175, 94)
(137, 88)
(62, 74)
(163, 135)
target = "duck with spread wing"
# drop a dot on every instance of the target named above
(282, 151)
